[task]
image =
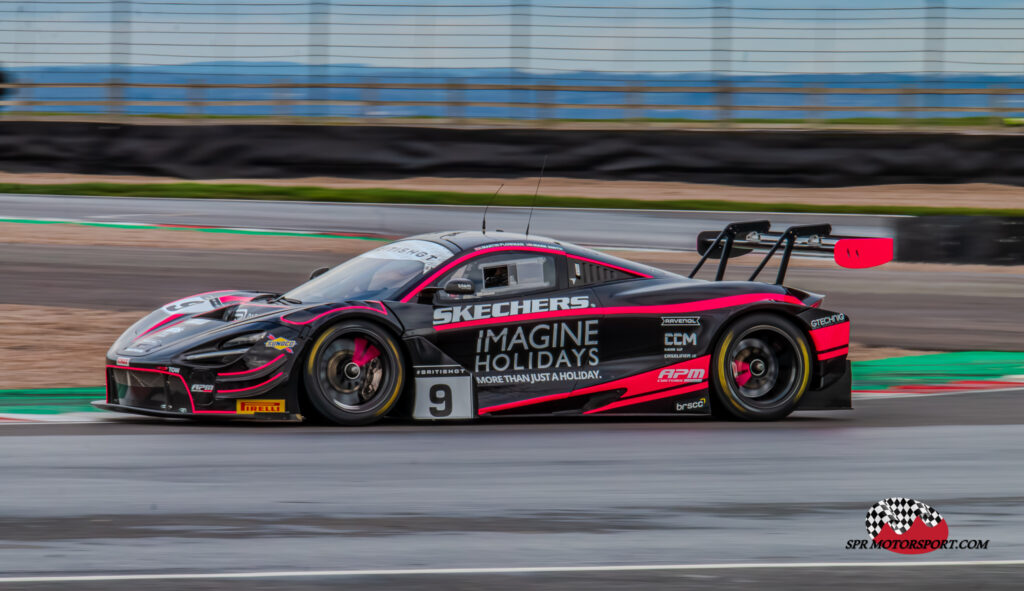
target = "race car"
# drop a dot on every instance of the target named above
(470, 325)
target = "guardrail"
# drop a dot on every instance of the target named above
(541, 97)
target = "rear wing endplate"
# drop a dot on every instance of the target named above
(740, 238)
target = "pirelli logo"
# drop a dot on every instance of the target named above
(251, 407)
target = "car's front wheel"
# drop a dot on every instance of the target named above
(760, 368)
(354, 373)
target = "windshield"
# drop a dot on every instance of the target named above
(375, 275)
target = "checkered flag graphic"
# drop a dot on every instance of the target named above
(899, 513)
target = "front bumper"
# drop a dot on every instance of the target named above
(181, 392)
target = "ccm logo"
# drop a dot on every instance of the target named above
(680, 339)
(681, 375)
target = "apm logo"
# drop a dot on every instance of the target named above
(681, 375)
(906, 526)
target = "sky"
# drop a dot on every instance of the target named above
(541, 36)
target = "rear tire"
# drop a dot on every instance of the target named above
(760, 368)
(354, 373)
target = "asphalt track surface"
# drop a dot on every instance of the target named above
(144, 496)
(624, 228)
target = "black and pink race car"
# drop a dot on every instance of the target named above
(468, 325)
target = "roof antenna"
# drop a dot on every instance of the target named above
(483, 226)
(537, 190)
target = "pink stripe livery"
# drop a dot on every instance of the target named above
(725, 302)
(648, 398)
(158, 325)
(444, 269)
(188, 391)
(254, 370)
(690, 371)
(381, 310)
(634, 385)
(234, 298)
(830, 337)
(247, 388)
(836, 353)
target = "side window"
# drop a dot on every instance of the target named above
(583, 273)
(505, 274)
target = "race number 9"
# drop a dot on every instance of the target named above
(440, 400)
(441, 397)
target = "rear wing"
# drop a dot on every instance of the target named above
(740, 238)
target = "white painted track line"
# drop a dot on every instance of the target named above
(508, 570)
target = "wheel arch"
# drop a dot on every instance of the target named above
(782, 311)
(387, 322)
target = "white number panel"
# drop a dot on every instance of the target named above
(443, 392)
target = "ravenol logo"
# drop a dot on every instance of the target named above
(681, 375)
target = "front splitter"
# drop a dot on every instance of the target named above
(164, 414)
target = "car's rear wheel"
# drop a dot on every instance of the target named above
(760, 368)
(354, 373)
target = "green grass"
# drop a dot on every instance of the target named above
(262, 192)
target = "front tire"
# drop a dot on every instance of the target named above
(354, 373)
(761, 367)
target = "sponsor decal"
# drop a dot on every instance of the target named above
(538, 377)
(436, 371)
(828, 321)
(204, 388)
(428, 253)
(450, 314)
(518, 243)
(695, 405)
(250, 407)
(908, 526)
(174, 370)
(280, 343)
(679, 344)
(680, 320)
(682, 375)
(548, 345)
(123, 361)
(680, 339)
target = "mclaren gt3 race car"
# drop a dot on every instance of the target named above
(466, 325)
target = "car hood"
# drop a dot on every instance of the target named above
(182, 321)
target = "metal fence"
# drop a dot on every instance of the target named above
(718, 60)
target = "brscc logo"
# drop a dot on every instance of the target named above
(906, 526)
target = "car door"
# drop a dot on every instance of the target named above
(524, 334)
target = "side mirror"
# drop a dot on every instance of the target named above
(319, 272)
(459, 287)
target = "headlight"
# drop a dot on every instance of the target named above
(244, 340)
